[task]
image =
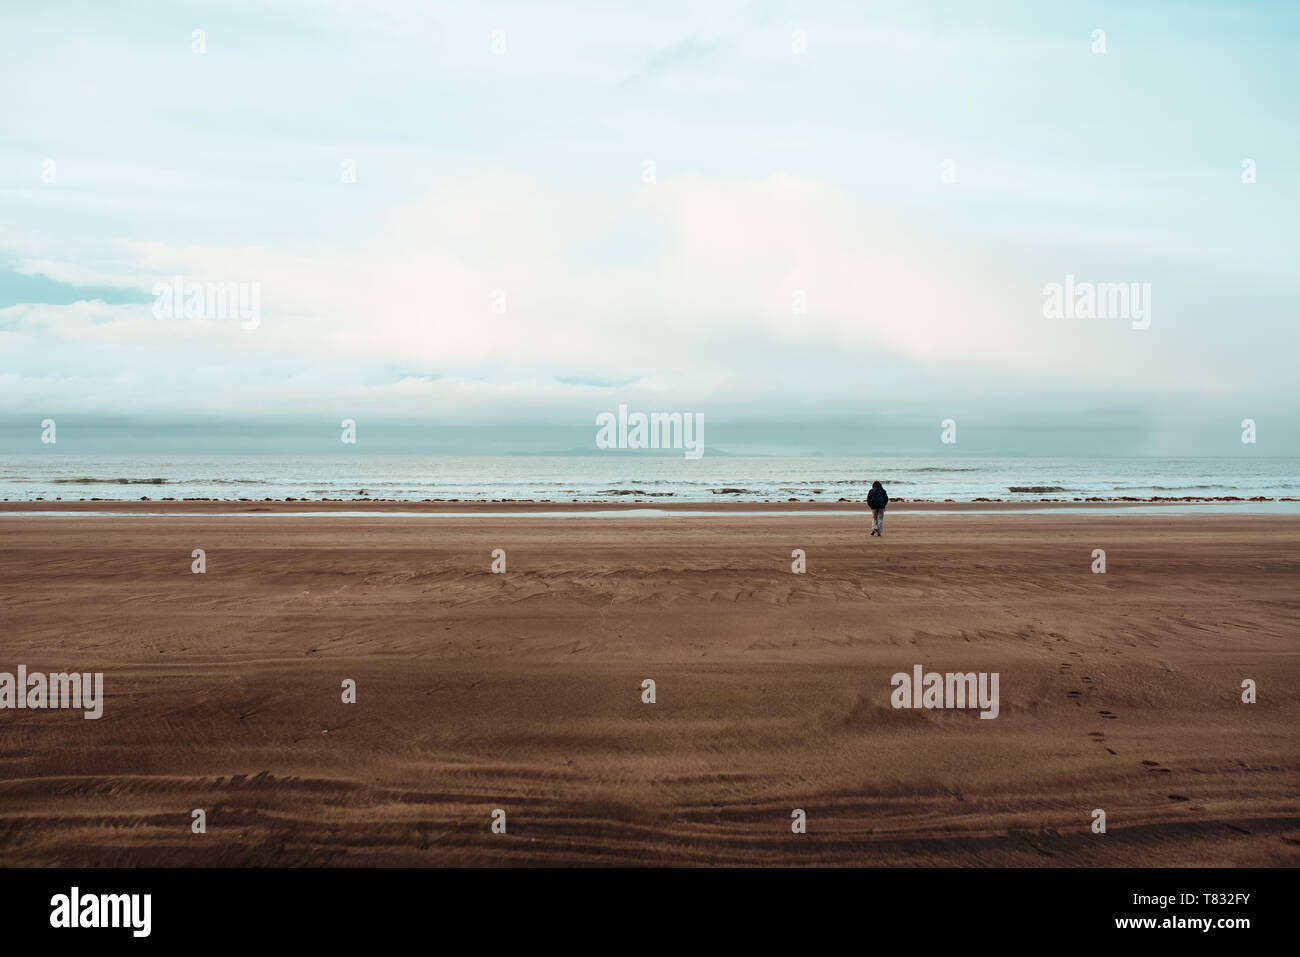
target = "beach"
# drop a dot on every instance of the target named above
(523, 691)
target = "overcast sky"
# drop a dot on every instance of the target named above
(830, 217)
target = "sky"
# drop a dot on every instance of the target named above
(826, 227)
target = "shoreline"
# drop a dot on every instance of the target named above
(170, 506)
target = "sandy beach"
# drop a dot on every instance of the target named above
(523, 691)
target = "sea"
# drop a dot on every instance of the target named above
(628, 478)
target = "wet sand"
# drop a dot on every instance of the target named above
(522, 691)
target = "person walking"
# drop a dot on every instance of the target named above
(877, 499)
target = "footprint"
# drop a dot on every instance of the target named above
(1178, 797)
(1099, 738)
(1073, 694)
(1108, 714)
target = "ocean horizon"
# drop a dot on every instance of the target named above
(651, 479)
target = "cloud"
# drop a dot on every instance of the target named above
(499, 257)
(506, 296)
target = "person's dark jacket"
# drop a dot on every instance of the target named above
(877, 498)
